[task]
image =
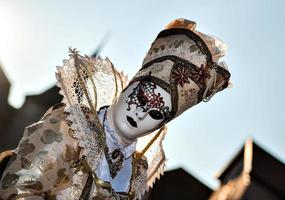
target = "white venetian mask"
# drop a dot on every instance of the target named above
(140, 109)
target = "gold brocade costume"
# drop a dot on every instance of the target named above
(45, 164)
(58, 156)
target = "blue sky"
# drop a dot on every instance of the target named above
(35, 36)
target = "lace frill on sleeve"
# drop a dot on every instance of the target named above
(86, 84)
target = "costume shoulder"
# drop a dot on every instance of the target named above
(86, 84)
(42, 160)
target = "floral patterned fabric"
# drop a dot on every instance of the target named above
(187, 64)
(183, 62)
(42, 167)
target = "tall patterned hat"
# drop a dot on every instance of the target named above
(185, 63)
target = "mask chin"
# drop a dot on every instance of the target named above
(125, 139)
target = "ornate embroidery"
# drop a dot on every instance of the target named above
(144, 97)
(49, 136)
(8, 180)
(199, 75)
(26, 148)
(141, 164)
(181, 75)
(115, 161)
(89, 75)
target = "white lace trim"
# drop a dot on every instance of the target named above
(102, 72)
(156, 164)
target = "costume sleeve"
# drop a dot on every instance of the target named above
(41, 165)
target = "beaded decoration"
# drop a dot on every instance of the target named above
(145, 97)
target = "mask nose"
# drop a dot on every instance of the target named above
(139, 113)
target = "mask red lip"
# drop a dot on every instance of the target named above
(132, 122)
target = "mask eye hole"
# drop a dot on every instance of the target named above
(155, 114)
